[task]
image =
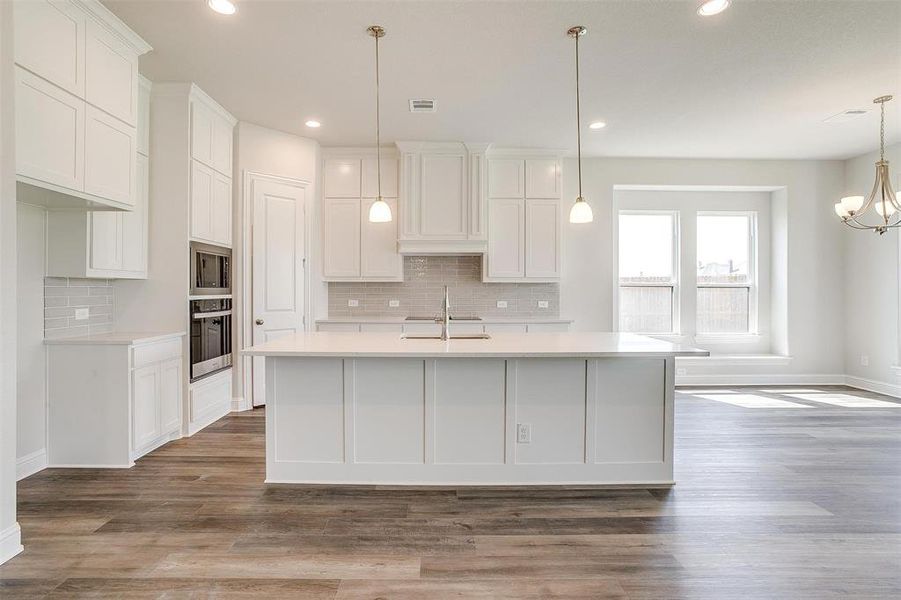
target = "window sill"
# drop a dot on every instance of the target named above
(728, 338)
(735, 360)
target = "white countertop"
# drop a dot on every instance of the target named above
(403, 320)
(124, 338)
(557, 345)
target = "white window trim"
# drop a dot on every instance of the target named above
(675, 285)
(753, 333)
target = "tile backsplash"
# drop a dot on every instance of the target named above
(422, 292)
(64, 295)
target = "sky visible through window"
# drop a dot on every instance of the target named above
(723, 248)
(646, 247)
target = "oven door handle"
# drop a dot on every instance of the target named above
(209, 315)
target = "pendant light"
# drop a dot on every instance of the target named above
(881, 198)
(379, 211)
(581, 210)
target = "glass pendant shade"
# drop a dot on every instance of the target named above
(379, 212)
(581, 212)
(852, 204)
(840, 210)
(884, 209)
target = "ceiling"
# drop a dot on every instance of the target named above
(756, 81)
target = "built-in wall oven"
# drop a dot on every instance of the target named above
(210, 270)
(211, 336)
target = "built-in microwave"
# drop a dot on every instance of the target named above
(210, 270)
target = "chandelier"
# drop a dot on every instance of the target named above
(855, 211)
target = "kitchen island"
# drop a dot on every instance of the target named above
(514, 409)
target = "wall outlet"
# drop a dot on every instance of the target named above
(353, 303)
(523, 433)
(543, 304)
(864, 360)
(502, 304)
(393, 303)
(81, 314)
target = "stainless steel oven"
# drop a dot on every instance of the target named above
(211, 336)
(210, 270)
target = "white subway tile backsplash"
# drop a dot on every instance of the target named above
(62, 296)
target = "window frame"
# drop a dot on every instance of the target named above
(752, 286)
(674, 284)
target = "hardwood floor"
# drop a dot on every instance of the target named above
(793, 499)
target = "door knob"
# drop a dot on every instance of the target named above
(259, 321)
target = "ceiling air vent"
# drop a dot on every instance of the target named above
(423, 105)
(846, 115)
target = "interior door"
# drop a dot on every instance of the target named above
(278, 264)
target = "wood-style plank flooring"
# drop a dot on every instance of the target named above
(793, 499)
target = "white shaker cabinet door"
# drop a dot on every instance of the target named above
(50, 128)
(134, 224)
(342, 178)
(106, 240)
(110, 154)
(201, 201)
(543, 238)
(145, 411)
(506, 224)
(341, 233)
(221, 217)
(443, 197)
(170, 395)
(505, 178)
(111, 74)
(201, 133)
(389, 178)
(542, 178)
(379, 257)
(221, 147)
(49, 41)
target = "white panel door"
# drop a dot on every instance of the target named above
(145, 412)
(506, 232)
(134, 223)
(221, 205)
(443, 196)
(201, 201)
(341, 237)
(201, 133)
(632, 392)
(505, 178)
(106, 240)
(278, 267)
(110, 154)
(170, 395)
(111, 74)
(49, 132)
(378, 244)
(50, 41)
(542, 178)
(389, 178)
(342, 178)
(543, 238)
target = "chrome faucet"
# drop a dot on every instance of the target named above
(445, 324)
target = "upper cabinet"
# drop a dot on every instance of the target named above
(353, 249)
(77, 103)
(525, 224)
(442, 198)
(212, 131)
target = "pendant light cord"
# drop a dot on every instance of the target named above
(378, 132)
(578, 119)
(882, 131)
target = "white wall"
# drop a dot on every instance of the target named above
(10, 536)
(31, 358)
(270, 152)
(814, 272)
(871, 282)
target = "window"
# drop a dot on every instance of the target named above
(648, 271)
(725, 276)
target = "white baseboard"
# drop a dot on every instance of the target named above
(240, 404)
(10, 542)
(208, 417)
(880, 387)
(31, 464)
(759, 379)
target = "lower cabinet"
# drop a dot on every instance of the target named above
(210, 399)
(112, 399)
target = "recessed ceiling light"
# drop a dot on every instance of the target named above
(224, 7)
(713, 7)
(597, 125)
(312, 123)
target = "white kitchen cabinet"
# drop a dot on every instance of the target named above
(133, 381)
(342, 178)
(77, 104)
(524, 220)
(49, 133)
(221, 206)
(50, 36)
(341, 238)
(209, 400)
(370, 178)
(211, 137)
(506, 236)
(443, 196)
(211, 170)
(378, 245)
(144, 115)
